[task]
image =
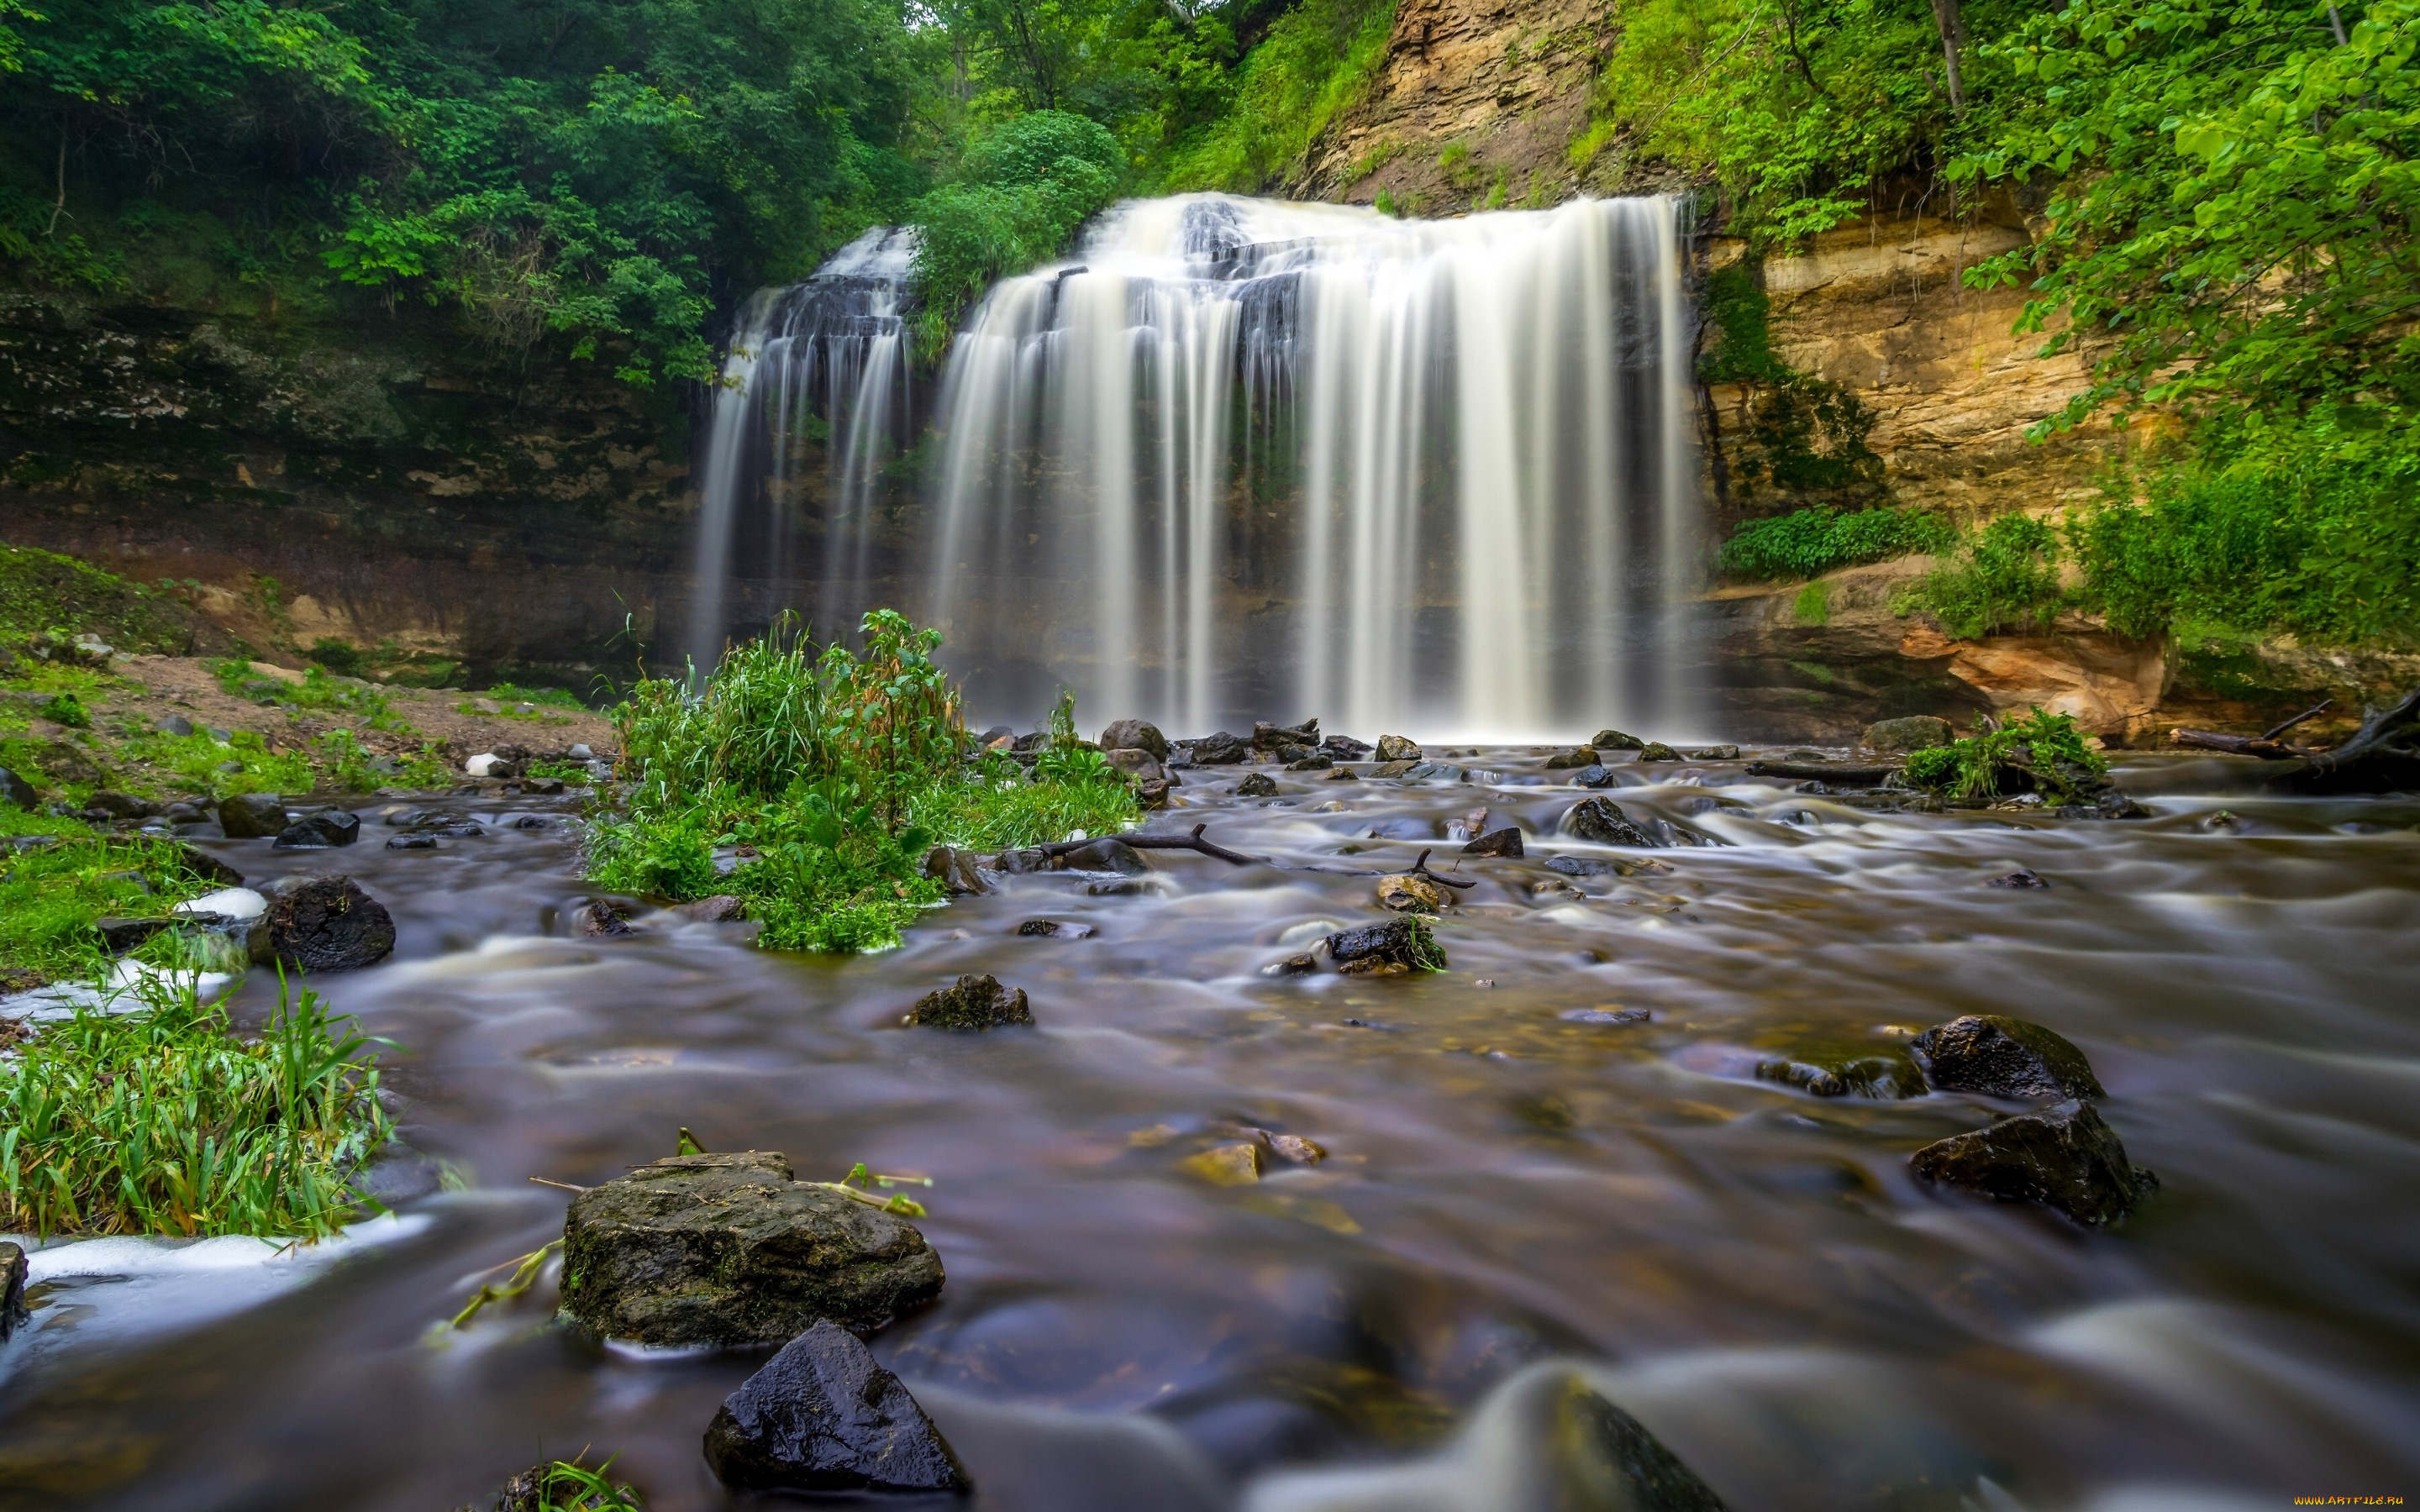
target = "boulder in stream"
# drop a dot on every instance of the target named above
(956, 872)
(1221, 749)
(1344, 747)
(1107, 853)
(2004, 1058)
(1388, 949)
(1135, 734)
(733, 1249)
(1616, 740)
(252, 815)
(1577, 756)
(12, 1289)
(974, 1003)
(328, 924)
(1897, 738)
(1601, 820)
(1408, 894)
(1655, 750)
(1592, 777)
(1258, 785)
(321, 829)
(2065, 1156)
(823, 1416)
(1505, 841)
(1397, 749)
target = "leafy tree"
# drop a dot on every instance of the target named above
(1024, 188)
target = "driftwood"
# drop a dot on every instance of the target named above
(2265, 745)
(1420, 868)
(2382, 756)
(1855, 773)
(1151, 842)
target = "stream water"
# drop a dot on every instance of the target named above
(1519, 1171)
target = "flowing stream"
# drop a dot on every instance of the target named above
(1519, 1171)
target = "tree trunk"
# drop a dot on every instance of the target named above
(1953, 37)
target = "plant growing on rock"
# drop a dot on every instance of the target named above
(2044, 752)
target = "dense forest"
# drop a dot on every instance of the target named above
(2226, 191)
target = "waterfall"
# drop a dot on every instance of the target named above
(823, 361)
(1248, 458)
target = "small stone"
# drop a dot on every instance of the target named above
(823, 1416)
(578, 752)
(252, 815)
(328, 924)
(975, 1003)
(1608, 1016)
(1135, 734)
(1343, 773)
(2065, 1156)
(322, 830)
(1408, 894)
(721, 908)
(1397, 749)
(1616, 740)
(411, 843)
(1505, 843)
(1805, 1077)
(1712, 754)
(1236, 1165)
(2004, 1058)
(1601, 820)
(16, 791)
(956, 871)
(487, 706)
(209, 868)
(177, 725)
(1152, 793)
(1592, 777)
(1258, 785)
(119, 935)
(1577, 756)
(1055, 929)
(1297, 1148)
(733, 1249)
(1301, 964)
(2022, 877)
(120, 805)
(1221, 749)
(1655, 750)
(1897, 738)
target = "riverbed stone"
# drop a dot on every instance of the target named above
(974, 1003)
(2022, 879)
(1408, 894)
(1577, 756)
(1221, 750)
(1258, 785)
(2065, 1157)
(1655, 750)
(1505, 841)
(1403, 945)
(328, 924)
(324, 829)
(1397, 749)
(1135, 734)
(1899, 737)
(1317, 760)
(252, 815)
(1616, 740)
(1601, 820)
(823, 1416)
(16, 791)
(2001, 1056)
(733, 1249)
(1592, 777)
(12, 1289)
(1059, 929)
(957, 871)
(1344, 747)
(1108, 853)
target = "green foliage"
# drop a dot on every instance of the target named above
(1024, 188)
(51, 894)
(64, 708)
(567, 1486)
(1317, 58)
(1806, 436)
(2043, 751)
(163, 1121)
(997, 808)
(42, 592)
(2004, 577)
(1811, 542)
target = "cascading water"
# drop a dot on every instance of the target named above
(825, 360)
(1244, 455)
(1241, 457)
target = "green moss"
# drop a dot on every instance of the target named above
(1813, 605)
(43, 593)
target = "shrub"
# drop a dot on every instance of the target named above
(1812, 542)
(1023, 188)
(2048, 748)
(2003, 577)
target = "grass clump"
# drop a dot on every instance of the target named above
(42, 592)
(828, 774)
(1809, 543)
(52, 889)
(2042, 752)
(2004, 577)
(163, 1120)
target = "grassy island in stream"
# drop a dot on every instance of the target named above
(829, 774)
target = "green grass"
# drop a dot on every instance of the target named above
(2047, 749)
(569, 1486)
(163, 1120)
(42, 592)
(49, 897)
(1812, 542)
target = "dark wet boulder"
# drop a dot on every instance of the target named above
(1221, 749)
(1592, 777)
(209, 868)
(1556, 1443)
(1258, 785)
(252, 815)
(411, 843)
(1135, 734)
(1897, 738)
(1272, 736)
(973, 1003)
(600, 920)
(1397, 749)
(1577, 756)
(1107, 853)
(119, 935)
(823, 1416)
(328, 924)
(16, 791)
(2004, 1058)
(721, 908)
(733, 1249)
(323, 829)
(1058, 929)
(1884, 1075)
(1024, 862)
(1655, 750)
(1505, 841)
(1601, 820)
(1317, 760)
(1345, 748)
(1393, 949)
(12, 1289)
(956, 871)
(1300, 963)
(1616, 740)
(2022, 879)
(2065, 1157)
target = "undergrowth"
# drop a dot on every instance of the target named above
(164, 1120)
(2002, 578)
(51, 890)
(2045, 752)
(1812, 542)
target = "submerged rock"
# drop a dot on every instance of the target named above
(823, 1416)
(1885, 1075)
(1601, 820)
(2065, 1156)
(1237, 1165)
(975, 1003)
(1301, 964)
(1407, 894)
(2023, 878)
(1318, 761)
(252, 815)
(1108, 853)
(1055, 929)
(1897, 738)
(1135, 734)
(322, 830)
(733, 1249)
(597, 920)
(1577, 756)
(1616, 740)
(328, 924)
(2004, 1058)
(1258, 785)
(1505, 841)
(1397, 749)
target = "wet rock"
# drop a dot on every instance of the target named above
(1344, 747)
(1578, 1450)
(823, 1416)
(733, 1249)
(1301, 964)
(723, 908)
(2108, 804)
(1058, 929)
(1592, 777)
(1601, 821)
(1885, 1075)
(1344, 774)
(1806, 1077)
(1272, 736)
(1135, 734)
(16, 791)
(1402, 944)
(1397, 749)
(1609, 1017)
(1024, 862)
(956, 872)
(1258, 785)
(1897, 738)
(1316, 761)
(328, 924)
(119, 935)
(1655, 750)
(1597, 866)
(252, 815)
(1435, 772)
(1505, 841)
(1577, 756)
(1152, 793)
(1616, 740)
(322, 830)
(1393, 768)
(2004, 1058)
(13, 1315)
(975, 1003)
(411, 843)
(1297, 1150)
(1108, 853)
(118, 805)
(2065, 1156)
(1712, 754)
(209, 868)
(2022, 877)
(1221, 749)
(1236, 1165)
(1136, 764)
(1408, 894)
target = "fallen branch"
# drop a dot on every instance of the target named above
(1420, 868)
(2315, 710)
(1153, 842)
(1856, 774)
(2261, 745)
